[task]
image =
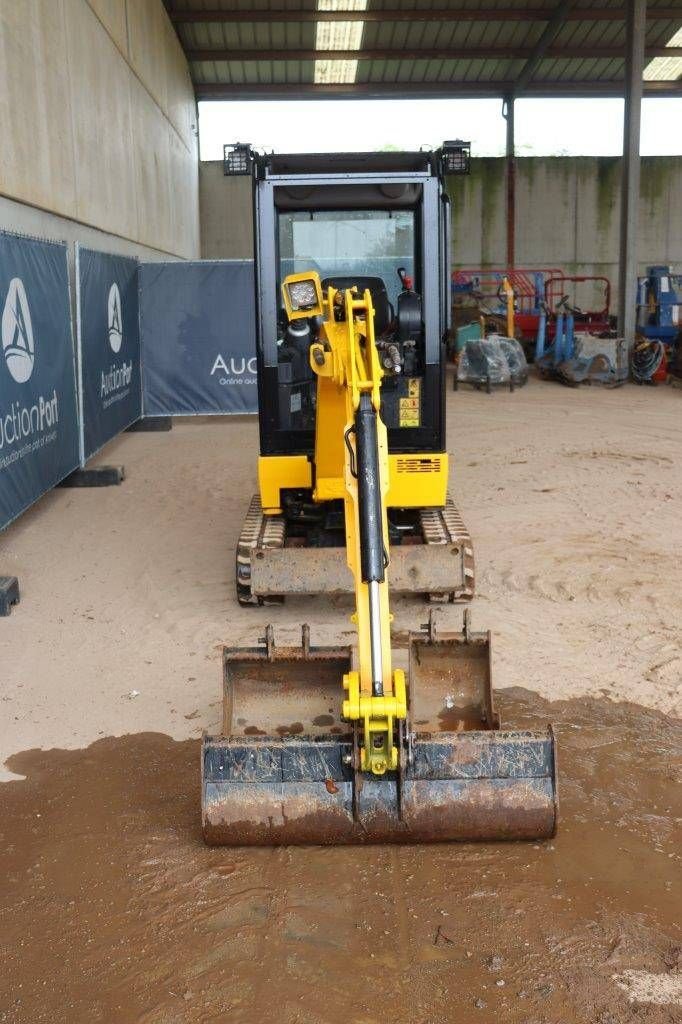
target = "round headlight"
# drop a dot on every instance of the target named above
(302, 294)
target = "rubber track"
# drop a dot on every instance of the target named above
(446, 526)
(258, 532)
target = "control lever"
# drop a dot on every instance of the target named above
(405, 279)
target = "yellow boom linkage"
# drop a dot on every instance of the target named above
(347, 365)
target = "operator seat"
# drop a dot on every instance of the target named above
(383, 310)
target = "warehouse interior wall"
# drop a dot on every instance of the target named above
(98, 122)
(567, 214)
(226, 213)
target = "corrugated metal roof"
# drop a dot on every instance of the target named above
(267, 47)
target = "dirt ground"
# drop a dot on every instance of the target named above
(111, 909)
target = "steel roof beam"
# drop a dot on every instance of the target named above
(549, 34)
(419, 14)
(437, 53)
(434, 90)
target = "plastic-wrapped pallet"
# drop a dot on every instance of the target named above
(516, 358)
(492, 361)
(483, 363)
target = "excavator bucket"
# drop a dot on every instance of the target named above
(285, 771)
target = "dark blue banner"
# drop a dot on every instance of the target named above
(109, 347)
(38, 407)
(198, 335)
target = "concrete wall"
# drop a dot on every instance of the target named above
(98, 126)
(226, 214)
(568, 212)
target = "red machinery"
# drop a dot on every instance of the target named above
(593, 321)
(527, 284)
(532, 286)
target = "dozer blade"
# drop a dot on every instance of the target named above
(284, 772)
(271, 565)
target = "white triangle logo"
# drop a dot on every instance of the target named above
(17, 332)
(114, 319)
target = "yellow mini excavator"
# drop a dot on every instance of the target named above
(341, 744)
(378, 221)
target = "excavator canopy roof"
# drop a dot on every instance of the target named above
(344, 163)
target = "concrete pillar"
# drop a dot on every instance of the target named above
(634, 67)
(508, 113)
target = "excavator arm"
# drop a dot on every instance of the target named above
(346, 355)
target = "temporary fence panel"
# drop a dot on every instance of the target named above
(110, 375)
(198, 334)
(38, 406)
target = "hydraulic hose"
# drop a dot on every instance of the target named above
(646, 359)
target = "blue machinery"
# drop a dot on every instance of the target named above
(564, 334)
(659, 314)
(659, 304)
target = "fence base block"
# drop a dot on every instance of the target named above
(9, 594)
(152, 425)
(96, 476)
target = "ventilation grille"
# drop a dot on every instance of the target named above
(419, 465)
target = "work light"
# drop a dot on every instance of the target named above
(237, 158)
(302, 295)
(456, 157)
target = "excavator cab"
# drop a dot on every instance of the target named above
(364, 743)
(381, 222)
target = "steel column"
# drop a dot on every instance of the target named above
(508, 114)
(634, 67)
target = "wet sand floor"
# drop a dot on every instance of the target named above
(111, 909)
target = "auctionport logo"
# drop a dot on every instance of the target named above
(115, 382)
(17, 332)
(114, 321)
(239, 370)
(23, 428)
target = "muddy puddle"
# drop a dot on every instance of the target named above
(112, 910)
